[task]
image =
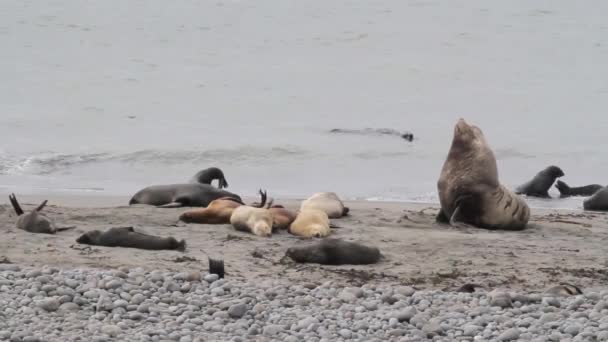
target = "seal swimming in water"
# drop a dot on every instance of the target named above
(469, 190)
(334, 252)
(198, 193)
(375, 131)
(597, 202)
(34, 221)
(565, 190)
(541, 183)
(218, 211)
(128, 237)
(328, 202)
(310, 223)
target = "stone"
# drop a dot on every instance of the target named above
(509, 335)
(237, 310)
(49, 304)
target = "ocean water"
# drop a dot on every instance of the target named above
(107, 97)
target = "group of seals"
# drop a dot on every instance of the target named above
(469, 190)
(541, 183)
(128, 237)
(198, 193)
(375, 131)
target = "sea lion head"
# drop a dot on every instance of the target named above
(262, 228)
(89, 237)
(554, 171)
(467, 136)
(188, 217)
(312, 254)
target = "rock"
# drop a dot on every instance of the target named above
(237, 310)
(111, 330)
(551, 301)
(572, 329)
(210, 278)
(69, 306)
(471, 330)
(500, 299)
(345, 333)
(49, 304)
(509, 335)
(406, 291)
(406, 314)
(272, 330)
(432, 329)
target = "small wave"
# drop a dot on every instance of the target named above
(48, 163)
(509, 153)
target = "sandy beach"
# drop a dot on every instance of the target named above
(558, 246)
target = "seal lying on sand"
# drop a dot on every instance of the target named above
(328, 202)
(128, 237)
(565, 190)
(310, 223)
(250, 219)
(281, 218)
(34, 221)
(198, 193)
(218, 211)
(334, 252)
(469, 190)
(541, 183)
(597, 202)
(375, 131)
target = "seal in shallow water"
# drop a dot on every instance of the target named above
(597, 202)
(565, 190)
(541, 183)
(128, 237)
(334, 252)
(469, 190)
(34, 221)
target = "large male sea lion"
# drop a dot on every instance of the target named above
(597, 202)
(334, 252)
(198, 193)
(469, 190)
(565, 190)
(310, 223)
(218, 211)
(328, 202)
(541, 183)
(34, 221)
(128, 237)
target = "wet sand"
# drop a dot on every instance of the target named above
(558, 246)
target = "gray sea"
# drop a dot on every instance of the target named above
(107, 97)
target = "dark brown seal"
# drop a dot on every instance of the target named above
(469, 190)
(334, 252)
(541, 183)
(597, 202)
(587, 190)
(128, 237)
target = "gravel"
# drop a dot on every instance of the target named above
(49, 304)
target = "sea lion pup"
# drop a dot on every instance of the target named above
(310, 223)
(281, 218)
(34, 221)
(597, 202)
(218, 211)
(334, 252)
(128, 237)
(469, 190)
(206, 176)
(564, 290)
(251, 219)
(565, 190)
(328, 202)
(541, 183)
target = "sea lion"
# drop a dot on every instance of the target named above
(34, 221)
(563, 290)
(375, 131)
(310, 223)
(218, 211)
(328, 202)
(469, 190)
(334, 252)
(206, 176)
(541, 183)
(565, 190)
(597, 202)
(128, 237)
(281, 217)
(254, 220)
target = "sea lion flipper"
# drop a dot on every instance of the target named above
(61, 229)
(41, 206)
(15, 204)
(457, 221)
(442, 217)
(171, 205)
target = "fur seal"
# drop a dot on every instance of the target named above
(334, 252)
(541, 183)
(597, 202)
(34, 221)
(128, 237)
(469, 190)
(207, 176)
(328, 202)
(375, 131)
(310, 223)
(218, 211)
(565, 190)
(251, 219)
(281, 217)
